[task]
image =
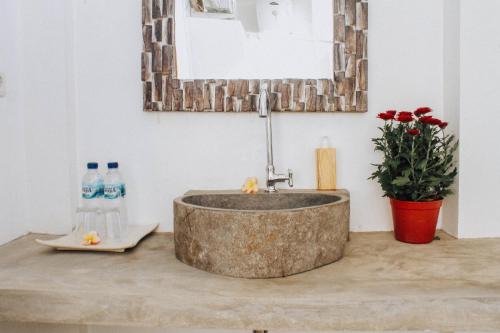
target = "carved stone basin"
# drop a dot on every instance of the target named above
(262, 235)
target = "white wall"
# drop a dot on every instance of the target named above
(479, 214)
(46, 70)
(12, 180)
(81, 71)
(164, 155)
(37, 118)
(451, 101)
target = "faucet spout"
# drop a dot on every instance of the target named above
(272, 178)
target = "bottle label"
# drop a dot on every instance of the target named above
(91, 191)
(114, 191)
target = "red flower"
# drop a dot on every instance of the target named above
(391, 112)
(430, 120)
(385, 116)
(421, 111)
(413, 131)
(404, 117)
(443, 124)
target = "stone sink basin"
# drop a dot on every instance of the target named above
(262, 235)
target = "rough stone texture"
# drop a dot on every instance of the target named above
(380, 284)
(262, 235)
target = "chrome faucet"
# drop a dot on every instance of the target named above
(271, 177)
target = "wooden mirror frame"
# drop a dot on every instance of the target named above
(346, 92)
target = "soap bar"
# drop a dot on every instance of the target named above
(326, 173)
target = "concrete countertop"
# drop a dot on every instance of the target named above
(449, 285)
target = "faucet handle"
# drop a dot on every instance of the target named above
(290, 177)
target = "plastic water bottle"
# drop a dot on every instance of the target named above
(92, 187)
(114, 200)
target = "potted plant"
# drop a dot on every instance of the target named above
(416, 172)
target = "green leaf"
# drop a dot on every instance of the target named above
(401, 181)
(421, 165)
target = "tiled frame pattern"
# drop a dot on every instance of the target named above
(346, 92)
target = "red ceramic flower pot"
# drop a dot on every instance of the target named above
(415, 222)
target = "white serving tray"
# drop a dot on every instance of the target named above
(70, 243)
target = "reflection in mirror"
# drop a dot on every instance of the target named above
(213, 8)
(244, 39)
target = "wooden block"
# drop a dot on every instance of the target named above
(157, 62)
(174, 63)
(158, 30)
(167, 64)
(338, 6)
(170, 33)
(285, 96)
(157, 9)
(245, 104)
(178, 100)
(350, 67)
(219, 98)
(350, 12)
(339, 28)
(350, 40)
(145, 66)
(338, 57)
(244, 88)
(254, 102)
(349, 93)
(298, 90)
(254, 87)
(207, 97)
(326, 175)
(229, 104)
(361, 15)
(276, 86)
(231, 87)
(361, 44)
(168, 8)
(339, 103)
(339, 78)
(310, 82)
(311, 95)
(299, 106)
(362, 75)
(157, 88)
(157, 106)
(168, 95)
(176, 84)
(331, 91)
(147, 38)
(146, 12)
(361, 101)
(147, 88)
(188, 95)
(321, 103)
(198, 95)
(275, 102)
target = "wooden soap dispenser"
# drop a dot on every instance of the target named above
(326, 173)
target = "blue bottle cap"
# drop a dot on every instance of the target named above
(92, 165)
(112, 165)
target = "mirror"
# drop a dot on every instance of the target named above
(247, 39)
(216, 55)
